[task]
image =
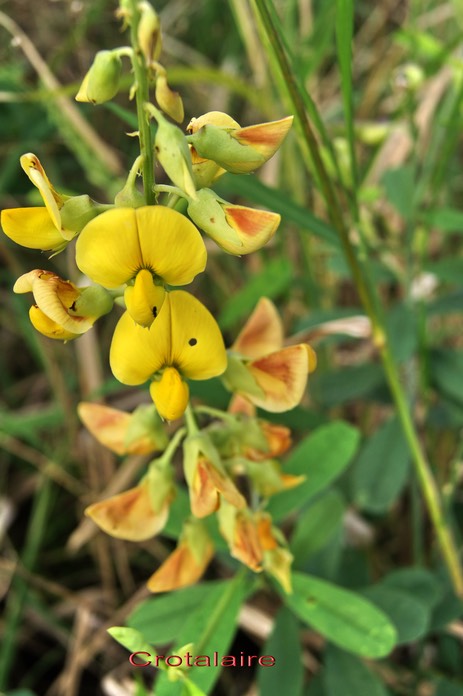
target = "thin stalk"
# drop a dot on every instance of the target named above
(142, 97)
(18, 596)
(215, 616)
(425, 477)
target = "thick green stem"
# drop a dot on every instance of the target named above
(142, 97)
(425, 477)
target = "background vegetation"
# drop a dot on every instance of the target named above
(360, 523)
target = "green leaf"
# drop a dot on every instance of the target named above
(287, 675)
(446, 219)
(400, 188)
(316, 526)
(279, 202)
(402, 329)
(211, 626)
(161, 619)
(345, 618)
(446, 371)
(190, 689)
(345, 674)
(418, 582)
(350, 383)
(382, 468)
(409, 616)
(445, 687)
(322, 457)
(271, 282)
(131, 639)
(450, 269)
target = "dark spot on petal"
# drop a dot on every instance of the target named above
(212, 220)
(192, 341)
(73, 306)
(155, 312)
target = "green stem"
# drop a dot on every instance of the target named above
(172, 446)
(142, 97)
(425, 477)
(191, 421)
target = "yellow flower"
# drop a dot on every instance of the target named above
(37, 228)
(145, 247)
(259, 368)
(184, 342)
(62, 310)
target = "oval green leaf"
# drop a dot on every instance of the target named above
(343, 617)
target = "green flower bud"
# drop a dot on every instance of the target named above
(94, 301)
(149, 33)
(235, 228)
(101, 83)
(78, 210)
(173, 153)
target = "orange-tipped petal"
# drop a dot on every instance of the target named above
(110, 427)
(282, 376)
(254, 227)
(184, 566)
(240, 405)
(129, 515)
(262, 333)
(266, 138)
(207, 483)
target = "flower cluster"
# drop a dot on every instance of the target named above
(138, 255)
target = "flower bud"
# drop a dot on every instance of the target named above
(77, 211)
(235, 228)
(240, 532)
(101, 83)
(238, 150)
(169, 101)
(149, 33)
(173, 153)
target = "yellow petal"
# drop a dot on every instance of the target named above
(56, 298)
(36, 173)
(136, 353)
(311, 356)
(129, 515)
(185, 335)
(262, 333)
(115, 245)
(170, 394)
(32, 228)
(282, 376)
(197, 345)
(108, 249)
(170, 244)
(144, 299)
(48, 327)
